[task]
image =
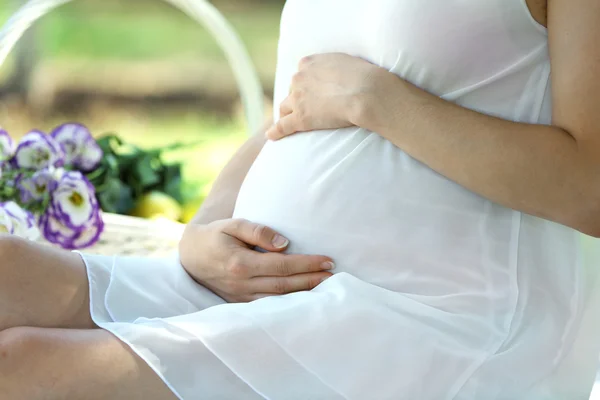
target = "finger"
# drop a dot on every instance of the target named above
(284, 127)
(287, 284)
(255, 235)
(306, 61)
(276, 264)
(286, 107)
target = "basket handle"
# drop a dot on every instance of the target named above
(201, 11)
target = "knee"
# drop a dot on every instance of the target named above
(20, 350)
(17, 346)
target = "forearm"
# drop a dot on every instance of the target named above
(540, 170)
(220, 202)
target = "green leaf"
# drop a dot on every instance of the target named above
(172, 182)
(116, 197)
(128, 171)
(97, 174)
(112, 164)
(107, 142)
(145, 171)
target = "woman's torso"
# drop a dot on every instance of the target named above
(392, 221)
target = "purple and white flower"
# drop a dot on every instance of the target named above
(81, 150)
(5, 165)
(74, 200)
(73, 218)
(32, 174)
(7, 145)
(56, 232)
(6, 224)
(57, 173)
(37, 186)
(36, 150)
(23, 222)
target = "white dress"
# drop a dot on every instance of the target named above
(438, 292)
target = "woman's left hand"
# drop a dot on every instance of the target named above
(326, 93)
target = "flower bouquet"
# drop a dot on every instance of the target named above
(44, 190)
(56, 186)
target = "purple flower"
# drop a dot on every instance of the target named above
(74, 200)
(56, 232)
(5, 165)
(38, 151)
(57, 173)
(81, 150)
(23, 222)
(6, 224)
(73, 218)
(35, 187)
(7, 145)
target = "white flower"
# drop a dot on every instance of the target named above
(73, 219)
(23, 222)
(6, 224)
(7, 145)
(36, 150)
(81, 149)
(57, 173)
(74, 200)
(68, 238)
(35, 187)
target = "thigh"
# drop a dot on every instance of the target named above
(55, 364)
(42, 286)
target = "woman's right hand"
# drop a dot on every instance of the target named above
(221, 257)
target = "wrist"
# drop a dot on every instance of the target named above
(371, 107)
(184, 246)
(188, 247)
(216, 207)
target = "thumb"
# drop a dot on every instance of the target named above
(284, 127)
(256, 235)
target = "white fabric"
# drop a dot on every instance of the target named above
(438, 293)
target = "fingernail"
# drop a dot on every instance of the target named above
(328, 265)
(280, 242)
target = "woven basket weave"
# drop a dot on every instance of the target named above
(134, 236)
(129, 236)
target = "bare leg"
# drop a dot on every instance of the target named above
(42, 287)
(56, 364)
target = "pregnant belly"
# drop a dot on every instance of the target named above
(384, 217)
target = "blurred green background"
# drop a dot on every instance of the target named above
(141, 69)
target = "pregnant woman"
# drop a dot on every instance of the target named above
(423, 147)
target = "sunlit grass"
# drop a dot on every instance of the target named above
(202, 163)
(218, 137)
(144, 30)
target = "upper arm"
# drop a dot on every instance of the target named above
(574, 40)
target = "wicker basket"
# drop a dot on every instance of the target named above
(129, 236)
(134, 236)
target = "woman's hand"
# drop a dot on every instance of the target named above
(326, 93)
(220, 256)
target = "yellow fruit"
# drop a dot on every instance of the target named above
(191, 208)
(157, 204)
